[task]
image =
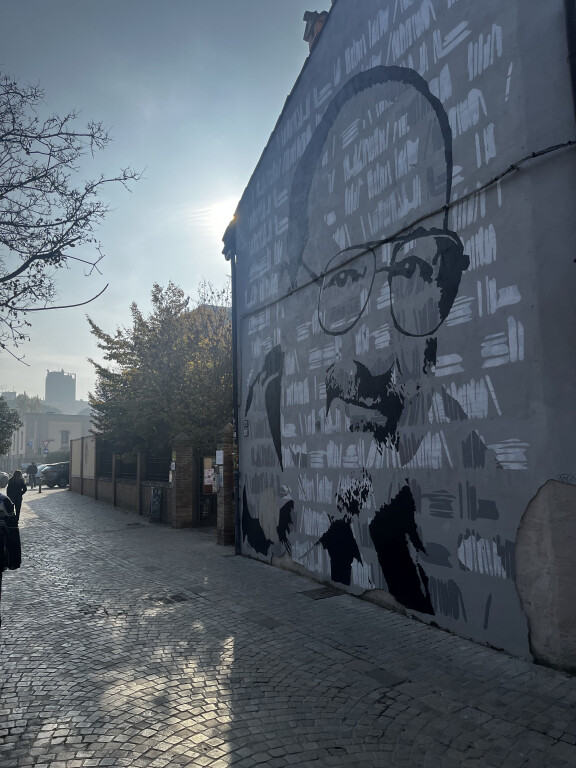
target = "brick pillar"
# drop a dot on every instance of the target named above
(185, 483)
(225, 514)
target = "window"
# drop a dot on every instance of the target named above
(64, 437)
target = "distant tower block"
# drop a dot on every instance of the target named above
(60, 387)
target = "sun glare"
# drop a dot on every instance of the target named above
(221, 215)
(215, 217)
(211, 222)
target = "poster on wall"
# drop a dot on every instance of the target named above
(208, 481)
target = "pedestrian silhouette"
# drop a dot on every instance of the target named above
(32, 471)
(15, 490)
(10, 551)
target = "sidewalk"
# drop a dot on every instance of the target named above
(135, 645)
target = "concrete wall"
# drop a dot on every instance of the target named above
(89, 457)
(401, 403)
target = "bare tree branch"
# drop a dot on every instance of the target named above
(63, 306)
(44, 212)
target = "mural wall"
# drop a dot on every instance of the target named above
(390, 364)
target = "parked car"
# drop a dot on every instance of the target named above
(56, 474)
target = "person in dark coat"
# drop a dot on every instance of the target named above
(10, 548)
(32, 471)
(15, 490)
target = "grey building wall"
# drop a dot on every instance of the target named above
(60, 387)
(405, 313)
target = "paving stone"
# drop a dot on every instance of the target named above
(206, 659)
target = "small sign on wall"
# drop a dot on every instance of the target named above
(208, 481)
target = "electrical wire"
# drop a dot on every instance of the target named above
(513, 167)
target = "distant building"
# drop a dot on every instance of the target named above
(42, 434)
(60, 387)
(63, 419)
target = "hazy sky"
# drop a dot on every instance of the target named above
(191, 90)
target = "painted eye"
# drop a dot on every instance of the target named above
(345, 289)
(413, 265)
(345, 277)
(415, 294)
(406, 267)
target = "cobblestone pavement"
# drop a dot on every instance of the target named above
(130, 644)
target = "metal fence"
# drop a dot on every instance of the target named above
(157, 467)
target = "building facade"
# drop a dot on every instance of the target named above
(43, 434)
(403, 269)
(60, 387)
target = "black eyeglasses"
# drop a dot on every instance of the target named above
(423, 275)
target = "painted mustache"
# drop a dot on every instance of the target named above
(375, 393)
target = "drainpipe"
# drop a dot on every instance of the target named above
(570, 17)
(235, 457)
(229, 252)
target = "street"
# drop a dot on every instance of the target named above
(126, 643)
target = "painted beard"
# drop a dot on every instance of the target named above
(379, 394)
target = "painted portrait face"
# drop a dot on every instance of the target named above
(381, 152)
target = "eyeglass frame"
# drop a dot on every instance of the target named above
(400, 241)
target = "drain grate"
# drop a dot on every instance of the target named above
(322, 593)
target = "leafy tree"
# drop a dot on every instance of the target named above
(169, 372)
(9, 422)
(26, 404)
(43, 213)
(209, 380)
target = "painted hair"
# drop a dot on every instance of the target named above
(298, 232)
